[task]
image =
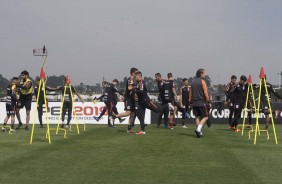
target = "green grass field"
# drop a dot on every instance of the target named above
(103, 155)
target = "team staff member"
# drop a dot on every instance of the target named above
(11, 100)
(229, 98)
(25, 92)
(68, 90)
(184, 100)
(199, 98)
(142, 101)
(41, 100)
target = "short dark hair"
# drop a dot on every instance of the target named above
(169, 75)
(138, 73)
(243, 78)
(115, 80)
(233, 77)
(158, 75)
(185, 79)
(25, 73)
(133, 70)
(199, 72)
(14, 78)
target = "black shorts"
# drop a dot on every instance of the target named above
(10, 109)
(200, 111)
(264, 106)
(25, 101)
(129, 104)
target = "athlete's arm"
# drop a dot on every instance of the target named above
(275, 94)
(27, 85)
(206, 93)
(77, 94)
(180, 97)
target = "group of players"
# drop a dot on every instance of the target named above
(20, 92)
(136, 101)
(236, 96)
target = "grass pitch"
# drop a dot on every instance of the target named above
(104, 155)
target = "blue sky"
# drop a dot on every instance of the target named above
(89, 39)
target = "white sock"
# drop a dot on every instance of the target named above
(199, 128)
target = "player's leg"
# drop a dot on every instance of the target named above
(40, 114)
(18, 107)
(69, 108)
(64, 110)
(102, 113)
(141, 116)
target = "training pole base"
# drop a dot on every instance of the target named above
(267, 134)
(60, 129)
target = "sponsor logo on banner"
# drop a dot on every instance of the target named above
(84, 113)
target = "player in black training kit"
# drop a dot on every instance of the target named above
(142, 101)
(164, 106)
(184, 93)
(114, 99)
(109, 95)
(169, 96)
(11, 100)
(68, 90)
(41, 101)
(239, 98)
(264, 107)
(129, 101)
(229, 98)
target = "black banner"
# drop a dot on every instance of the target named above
(220, 115)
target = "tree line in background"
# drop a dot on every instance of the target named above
(90, 90)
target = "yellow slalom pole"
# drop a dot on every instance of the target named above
(257, 113)
(245, 110)
(33, 122)
(270, 109)
(61, 110)
(47, 119)
(77, 127)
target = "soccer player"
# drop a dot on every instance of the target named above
(41, 100)
(109, 97)
(68, 90)
(184, 100)
(129, 101)
(199, 98)
(229, 98)
(170, 95)
(142, 101)
(239, 98)
(11, 100)
(164, 107)
(114, 103)
(25, 92)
